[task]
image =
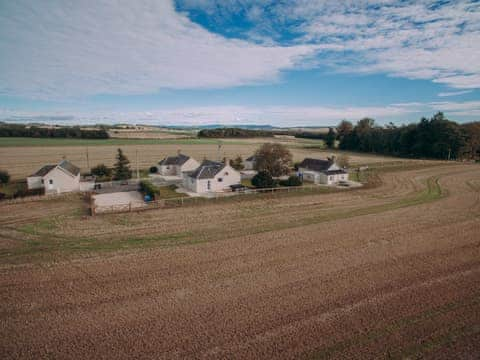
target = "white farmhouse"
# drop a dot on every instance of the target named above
(211, 176)
(176, 165)
(322, 171)
(64, 177)
(249, 163)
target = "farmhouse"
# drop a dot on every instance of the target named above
(249, 163)
(321, 171)
(211, 176)
(176, 165)
(60, 178)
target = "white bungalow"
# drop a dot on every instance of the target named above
(322, 171)
(176, 165)
(249, 163)
(64, 177)
(211, 176)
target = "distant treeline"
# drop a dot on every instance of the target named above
(18, 130)
(233, 133)
(437, 138)
(311, 135)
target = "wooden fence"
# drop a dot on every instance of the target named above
(190, 201)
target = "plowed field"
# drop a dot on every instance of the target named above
(387, 271)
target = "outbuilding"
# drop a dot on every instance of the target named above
(211, 176)
(176, 165)
(321, 171)
(60, 178)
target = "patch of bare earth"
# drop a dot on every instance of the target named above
(403, 282)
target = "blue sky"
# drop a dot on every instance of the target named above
(189, 62)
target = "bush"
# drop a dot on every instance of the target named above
(153, 170)
(291, 181)
(102, 171)
(4, 177)
(147, 188)
(263, 180)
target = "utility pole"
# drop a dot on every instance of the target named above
(136, 157)
(88, 163)
(219, 153)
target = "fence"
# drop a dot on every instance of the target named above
(190, 201)
(35, 198)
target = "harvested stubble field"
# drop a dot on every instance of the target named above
(21, 161)
(391, 270)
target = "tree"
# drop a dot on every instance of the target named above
(273, 158)
(263, 180)
(237, 163)
(343, 161)
(4, 177)
(101, 170)
(330, 138)
(121, 169)
(344, 128)
(291, 181)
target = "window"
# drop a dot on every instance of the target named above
(220, 179)
(43, 182)
(208, 185)
(50, 181)
(226, 173)
(330, 178)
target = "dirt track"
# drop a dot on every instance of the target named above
(402, 282)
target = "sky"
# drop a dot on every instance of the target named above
(277, 62)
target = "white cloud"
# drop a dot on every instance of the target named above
(61, 49)
(454, 93)
(235, 115)
(420, 39)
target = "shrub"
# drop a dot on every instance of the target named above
(147, 188)
(153, 170)
(291, 181)
(4, 177)
(102, 171)
(263, 180)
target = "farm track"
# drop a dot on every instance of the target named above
(394, 283)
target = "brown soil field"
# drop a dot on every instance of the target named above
(23, 161)
(388, 271)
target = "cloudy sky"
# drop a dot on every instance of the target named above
(305, 62)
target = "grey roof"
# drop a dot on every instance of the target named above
(207, 170)
(316, 164)
(180, 159)
(336, 172)
(251, 158)
(44, 170)
(69, 167)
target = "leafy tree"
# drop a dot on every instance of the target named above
(147, 188)
(237, 163)
(343, 160)
(263, 179)
(102, 171)
(4, 177)
(330, 138)
(274, 159)
(121, 169)
(153, 170)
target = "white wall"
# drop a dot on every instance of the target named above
(248, 165)
(61, 181)
(34, 182)
(221, 182)
(190, 165)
